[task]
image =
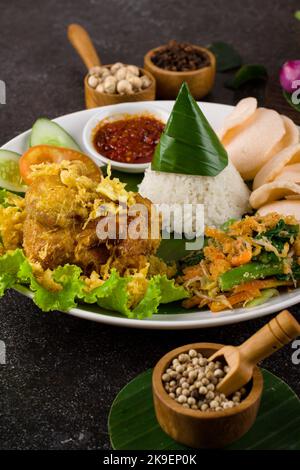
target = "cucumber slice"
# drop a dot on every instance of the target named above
(46, 132)
(10, 177)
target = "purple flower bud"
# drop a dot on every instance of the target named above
(289, 73)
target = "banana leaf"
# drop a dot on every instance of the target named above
(132, 423)
(188, 144)
(227, 57)
(247, 73)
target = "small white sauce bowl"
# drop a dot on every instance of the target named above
(113, 113)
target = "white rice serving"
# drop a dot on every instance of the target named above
(224, 196)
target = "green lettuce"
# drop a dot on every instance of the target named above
(68, 277)
(10, 264)
(112, 295)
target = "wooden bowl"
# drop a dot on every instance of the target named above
(168, 83)
(94, 98)
(200, 429)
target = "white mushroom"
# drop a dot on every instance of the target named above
(100, 88)
(146, 82)
(92, 81)
(96, 70)
(133, 69)
(105, 72)
(114, 68)
(135, 81)
(124, 87)
(121, 73)
(109, 84)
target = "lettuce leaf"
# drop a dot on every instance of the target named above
(149, 304)
(68, 277)
(112, 295)
(10, 264)
(170, 292)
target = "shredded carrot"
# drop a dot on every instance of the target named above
(191, 302)
(242, 258)
(261, 284)
(192, 271)
(233, 300)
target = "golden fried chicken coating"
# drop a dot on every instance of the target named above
(90, 252)
(50, 247)
(61, 223)
(52, 203)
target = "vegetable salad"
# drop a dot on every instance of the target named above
(243, 263)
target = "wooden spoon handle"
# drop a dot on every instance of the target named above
(82, 43)
(274, 335)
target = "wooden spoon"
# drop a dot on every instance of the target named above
(281, 330)
(82, 43)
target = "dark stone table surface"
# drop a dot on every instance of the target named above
(63, 373)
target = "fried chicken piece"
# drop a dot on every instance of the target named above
(52, 203)
(56, 229)
(90, 252)
(50, 247)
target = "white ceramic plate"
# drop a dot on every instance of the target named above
(215, 113)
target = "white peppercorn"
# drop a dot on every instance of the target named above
(210, 396)
(166, 377)
(183, 358)
(191, 401)
(218, 373)
(213, 404)
(181, 399)
(193, 385)
(193, 353)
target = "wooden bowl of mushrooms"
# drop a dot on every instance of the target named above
(113, 83)
(193, 413)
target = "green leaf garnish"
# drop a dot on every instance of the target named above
(188, 144)
(297, 15)
(113, 294)
(226, 56)
(288, 97)
(245, 74)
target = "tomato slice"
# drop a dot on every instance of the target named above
(50, 154)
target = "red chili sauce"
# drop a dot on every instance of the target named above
(131, 139)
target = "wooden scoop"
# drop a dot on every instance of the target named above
(82, 43)
(241, 360)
